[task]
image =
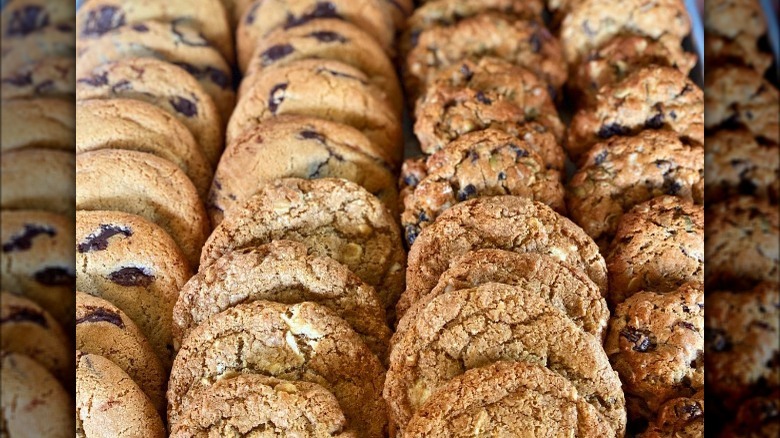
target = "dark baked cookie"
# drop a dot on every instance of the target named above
(658, 246)
(38, 179)
(681, 417)
(299, 342)
(741, 243)
(652, 97)
(656, 344)
(758, 417)
(737, 163)
(50, 77)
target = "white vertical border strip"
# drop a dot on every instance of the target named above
(772, 27)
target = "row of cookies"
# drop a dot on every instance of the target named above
(154, 90)
(638, 191)
(742, 163)
(36, 208)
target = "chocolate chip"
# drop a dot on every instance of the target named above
(640, 338)
(131, 276)
(483, 99)
(55, 277)
(686, 89)
(308, 134)
(98, 241)
(599, 159)
(689, 411)
(24, 314)
(275, 53)
(411, 232)
(717, 340)
(747, 186)
(466, 192)
(98, 80)
(64, 27)
(423, 217)
(140, 27)
(687, 325)
(23, 241)
(473, 156)
(251, 14)
(321, 10)
(520, 152)
(672, 186)
(44, 86)
(655, 122)
(215, 75)
(276, 97)
(184, 106)
(103, 19)
(20, 80)
(411, 180)
(466, 72)
(101, 314)
(673, 115)
(501, 176)
(612, 130)
(120, 86)
(328, 37)
(27, 20)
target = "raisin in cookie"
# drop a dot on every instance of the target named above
(109, 403)
(741, 243)
(50, 77)
(319, 88)
(742, 338)
(37, 179)
(737, 163)
(164, 85)
(469, 168)
(475, 95)
(263, 17)
(37, 123)
(622, 172)
(524, 43)
(151, 187)
(34, 403)
(332, 217)
(133, 264)
(299, 342)
(470, 328)
(740, 96)
(332, 39)
(37, 260)
(299, 147)
(659, 245)
(140, 126)
(656, 344)
(652, 97)
(681, 417)
(282, 271)
(243, 403)
(105, 330)
(508, 399)
(500, 222)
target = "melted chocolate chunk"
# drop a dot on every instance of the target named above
(466, 72)
(120, 86)
(411, 180)
(44, 86)
(101, 314)
(103, 19)
(483, 99)
(184, 106)
(655, 122)
(55, 277)
(27, 20)
(20, 80)
(252, 13)
(520, 152)
(321, 10)
(308, 134)
(746, 186)
(98, 80)
(131, 276)
(98, 241)
(601, 157)
(23, 241)
(213, 74)
(612, 130)
(328, 37)
(23, 314)
(672, 186)
(276, 97)
(641, 339)
(466, 192)
(141, 28)
(275, 53)
(411, 232)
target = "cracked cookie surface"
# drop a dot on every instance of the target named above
(37, 123)
(38, 179)
(737, 163)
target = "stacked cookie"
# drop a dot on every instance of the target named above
(742, 180)
(285, 326)
(154, 90)
(36, 212)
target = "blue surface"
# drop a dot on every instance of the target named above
(774, 32)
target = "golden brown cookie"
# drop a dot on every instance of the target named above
(37, 123)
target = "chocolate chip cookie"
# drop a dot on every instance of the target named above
(105, 330)
(510, 223)
(29, 329)
(470, 328)
(740, 96)
(34, 403)
(731, 18)
(742, 338)
(659, 245)
(25, 17)
(151, 187)
(332, 217)
(133, 264)
(472, 96)
(524, 43)
(50, 77)
(656, 344)
(131, 124)
(242, 403)
(653, 97)
(319, 88)
(620, 56)
(164, 85)
(741, 243)
(109, 403)
(508, 399)
(282, 271)
(621, 172)
(299, 342)
(299, 147)
(470, 167)
(263, 17)
(37, 179)
(37, 123)
(566, 288)
(737, 163)
(681, 417)
(37, 260)
(742, 50)
(177, 42)
(332, 39)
